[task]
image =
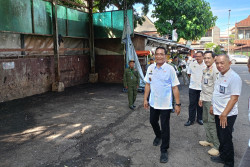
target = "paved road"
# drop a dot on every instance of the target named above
(91, 125)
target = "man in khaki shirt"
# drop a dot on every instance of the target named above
(208, 79)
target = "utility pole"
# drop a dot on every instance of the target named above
(228, 31)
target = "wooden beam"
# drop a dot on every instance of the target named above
(55, 38)
(22, 43)
(35, 56)
(39, 49)
(32, 16)
(91, 37)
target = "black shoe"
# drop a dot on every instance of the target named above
(134, 106)
(157, 141)
(217, 159)
(164, 158)
(200, 122)
(188, 123)
(131, 107)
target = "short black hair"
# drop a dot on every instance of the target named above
(186, 57)
(160, 47)
(175, 57)
(200, 52)
(211, 52)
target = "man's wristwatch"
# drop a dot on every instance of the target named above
(178, 104)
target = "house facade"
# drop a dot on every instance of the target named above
(242, 37)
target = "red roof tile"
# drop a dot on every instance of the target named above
(242, 41)
(244, 23)
(240, 47)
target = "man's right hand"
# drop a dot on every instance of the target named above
(211, 111)
(145, 104)
(200, 103)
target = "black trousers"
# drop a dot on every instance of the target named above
(194, 96)
(164, 131)
(225, 138)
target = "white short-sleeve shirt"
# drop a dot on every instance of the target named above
(161, 81)
(225, 86)
(196, 71)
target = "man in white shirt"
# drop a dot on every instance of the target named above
(226, 93)
(195, 72)
(184, 67)
(162, 81)
(208, 79)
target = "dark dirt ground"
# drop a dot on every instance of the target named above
(91, 125)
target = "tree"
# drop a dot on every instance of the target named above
(231, 39)
(218, 50)
(190, 18)
(60, 2)
(210, 45)
(101, 5)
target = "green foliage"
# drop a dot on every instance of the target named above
(210, 45)
(218, 50)
(100, 6)
(231, 38)
(191, 18)
(70, 5)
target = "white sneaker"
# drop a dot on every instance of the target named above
(205, 143)
(213, 152)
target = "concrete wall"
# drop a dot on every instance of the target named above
(216, 35)
(21, 77)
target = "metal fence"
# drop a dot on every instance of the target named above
(35, 17)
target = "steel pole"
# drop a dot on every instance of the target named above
(228, 31)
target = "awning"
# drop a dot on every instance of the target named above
(142, 52)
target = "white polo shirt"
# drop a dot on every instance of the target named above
(225, 86)
(196, 71)
(161, 81)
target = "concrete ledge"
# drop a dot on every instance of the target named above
(93, 78)
(58, 87)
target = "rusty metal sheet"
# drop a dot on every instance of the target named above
(32, 76)
(110, 68)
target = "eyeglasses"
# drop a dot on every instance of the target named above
(160, 54)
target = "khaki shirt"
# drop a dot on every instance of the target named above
(208, 79)
(131, 77)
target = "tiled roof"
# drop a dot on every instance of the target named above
(241, 47)
(242, 41)
(244, 23)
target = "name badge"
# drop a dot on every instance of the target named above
(150, 76)
(222, 89)
(205, 81)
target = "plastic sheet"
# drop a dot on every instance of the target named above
(130, 52)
